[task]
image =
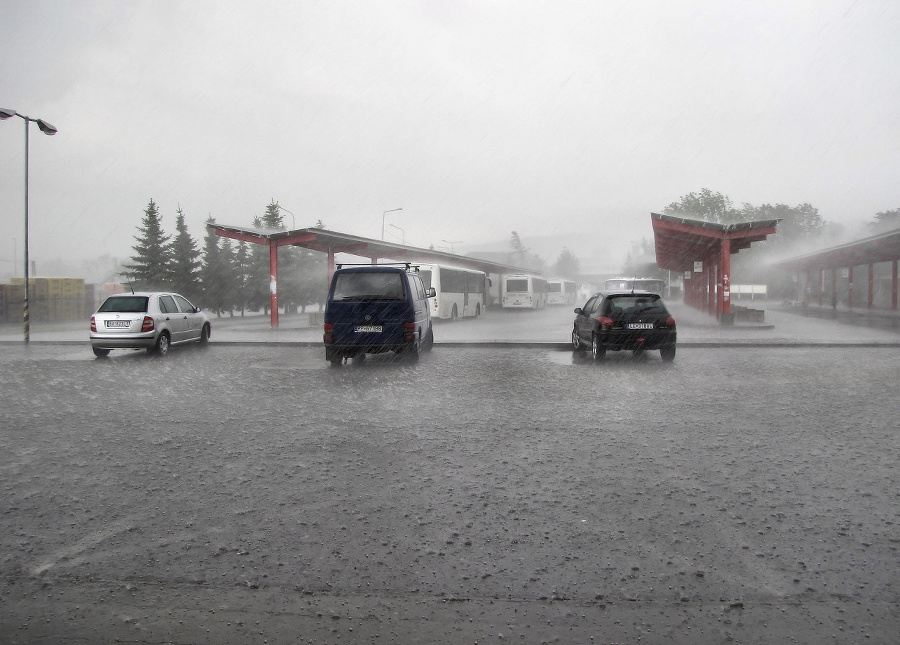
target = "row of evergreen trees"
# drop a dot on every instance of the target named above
(226, 276)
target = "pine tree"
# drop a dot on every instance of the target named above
(185, 260)
(214, 273)
(258, 275)
(151, 265)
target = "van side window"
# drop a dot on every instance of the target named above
(420, 289)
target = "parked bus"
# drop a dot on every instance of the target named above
(523, 291)
(656, 285)
(561, 291)
(458, 292)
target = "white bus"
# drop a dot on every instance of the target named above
(656, 285)
(458, 292)
(561, 291)
(523, 291)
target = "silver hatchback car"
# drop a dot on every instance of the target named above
(147, 320)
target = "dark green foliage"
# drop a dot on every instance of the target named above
(151, 264)
(216, 274)
(185, 261)
(567, 265)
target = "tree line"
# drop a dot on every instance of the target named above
(226, 276)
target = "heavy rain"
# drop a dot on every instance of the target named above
(499, 484)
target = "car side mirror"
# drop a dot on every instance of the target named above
(578, 311)
(431, 293)
(196, 310)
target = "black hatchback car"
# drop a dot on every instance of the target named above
(624, 320)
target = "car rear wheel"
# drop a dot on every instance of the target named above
(429, 340)
(576, 342)
(598, 351)
(161, 347)
(100, 353)
(667, 353)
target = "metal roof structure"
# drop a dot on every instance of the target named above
(331, 242)
(878, 248)
(702, 250)
(680, 242)
(870, 251)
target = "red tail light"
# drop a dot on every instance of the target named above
(328, 336)
(409, 331)
(147, 325)
(93, 324)
(670, 322)
(605, 322)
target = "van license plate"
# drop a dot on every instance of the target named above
(368, 329)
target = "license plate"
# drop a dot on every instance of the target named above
(640, 326)
(118, 323)
(368, 329)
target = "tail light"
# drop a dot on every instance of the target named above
(409, 331)
(605, 322)
(147, 325)
(328, 336)
(670, 322)
(93, 324)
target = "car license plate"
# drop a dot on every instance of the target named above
(368, 329)
(640, 325)
(118, 323)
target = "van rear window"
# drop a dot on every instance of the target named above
(368, 286)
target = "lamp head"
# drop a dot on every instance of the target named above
(5, 113)
(45, 127)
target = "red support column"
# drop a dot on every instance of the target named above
(850, 288)
(821, 285)
(330, 266)
(871, 299)
(894, 285)
(710, 265)
(273, 282)
(834, 289)
(724, 281)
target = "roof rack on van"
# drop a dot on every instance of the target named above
(406, 265)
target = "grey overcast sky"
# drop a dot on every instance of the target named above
(475, 117)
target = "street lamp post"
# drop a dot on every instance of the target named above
(48, 129)
(293, 219)
(382, 220)
(451, 243)
(402, 233)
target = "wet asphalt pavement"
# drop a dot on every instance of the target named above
(252, 493)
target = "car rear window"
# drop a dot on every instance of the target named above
(634, 304)
(379, 285)
(124, 305)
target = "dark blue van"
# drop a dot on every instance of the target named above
(377, 308)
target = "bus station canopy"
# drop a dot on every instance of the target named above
(331, 242)
(702, 251)
(878, 248)
(680, 242)
(870, 251)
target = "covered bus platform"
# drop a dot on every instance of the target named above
(702, 252)
(840, 261)
(331, 243)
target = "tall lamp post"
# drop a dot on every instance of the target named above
(452, 243)
(48, 129)
(293, 219)
(402, 233)
(382, 220)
